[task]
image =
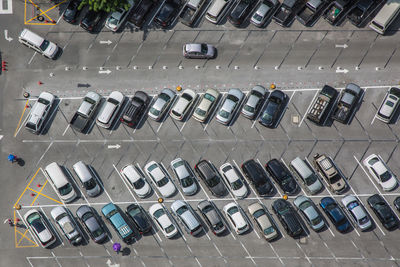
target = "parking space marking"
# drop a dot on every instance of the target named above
(383, 100)
(66, 129)
(20, 119)
(305, 255)
(30, 61)
(249, 256)
(23, 235)
(101, 184)
(26, 188)
(276, 253)
(123, 180)
(309, 106)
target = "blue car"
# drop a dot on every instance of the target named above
(335, 214)
(114, 216)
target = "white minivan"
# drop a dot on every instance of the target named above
(386, 16)
(59, 180)
(217, 10)
(38, 43)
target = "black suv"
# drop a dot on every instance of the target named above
(382, 210)
(211, 177)
(282, 176)
(288, 217)
(90, 20)
(139, 217)
(71, 12)
(140, 12)
(167, 13)
(241, 12)
(257, 177)
(135, 109)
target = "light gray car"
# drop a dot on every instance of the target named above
(185, 176)
(262, 219)
(186, 216)
(310, 212)
(67, 224)
(211, 217)
(202, 51)
(161, 105)
(230, 105)
(263, 12)
(357, 211)
(91, 223)
(254, 102)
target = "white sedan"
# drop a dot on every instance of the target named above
(136, 180)
(233, 180)
(236, 218)
(162, 218)
(381, 173)
(230, 105)
(183, 105)
(160, 178)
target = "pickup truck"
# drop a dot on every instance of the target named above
(363, 10)
(348, 101)
(336, 11)
(309, 14)
(191, 12)
(322, 106)
(85, 112)
(286, 13)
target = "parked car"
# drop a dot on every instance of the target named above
(282, 176)
(167, 13)
(335, 214)
(185, 176)
(264, 12)
(191, 12)
(257, 177)
(136, 180)
(383, 211)
(310, 212)
(288, 217)
(139, 218)
(306, 175)
(140, 12)
(274, 109)
(236, 218)
(263, 220)
(110, 109)
(389, 105)
(286, 13)
(336, 11)
(206, 105)
(83, 116)
(254, 102)
(323, 105)
(229, 106)
(357, 211)
(362, 11)
(113, 214)
(241, 11)
(87, 179)
(161, 104)
(381, 172)
(90, 20)
(67, 225)
(91, 223)
(135, 109)
(71, 12)
(211, 217)
(327, 168)
(233, 180)
(217, 10)
(211, 177)
(162, 218)
(183, 105)
(185, 214)
(349, 100)
(40, 228)
(115, 20)
(199, 51)
(160, 179)
(39, 112)
(396, 203)
(309, 14)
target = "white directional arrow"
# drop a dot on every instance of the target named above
(117, 146)
(342, 70)
(341, 46)
(104, 71)
(6, 36)
(108, 42)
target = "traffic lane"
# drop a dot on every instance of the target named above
(380, 53)
(125, 50)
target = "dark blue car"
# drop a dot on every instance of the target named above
(274, 109)
(335, 214)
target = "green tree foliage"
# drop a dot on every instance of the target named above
(104, 5)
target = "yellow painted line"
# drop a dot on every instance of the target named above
(46, 24)
(15, 231)
(37, 192)
(23, 235)
(26, 188)
(43, 12)
(46, 11)
(25, 13)
(20, 119)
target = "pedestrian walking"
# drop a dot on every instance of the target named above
(12, 158)
(117, 247)
(9, 221)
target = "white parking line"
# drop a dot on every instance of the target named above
(101, 184)
(305, 255)
(66, 129)
(309, 106)
(276, 253)
(249, 256)
(216, 108)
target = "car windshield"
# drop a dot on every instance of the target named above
(310, 179)
(133, 212)
(89, 184)
(112, 213)
(170, 228)
(113, 21)
(389, 103)
(248, 108)
(283, 211)
(154, 111)
(213, 181)
(164, 97)
(113, 101)
(44, 45)
(86, 216)
(269, 230)
(98, 232)
(233, 98)
(218, 226)
(385, 176)
(181, 210)
(43, 101)
(187, 181)
(159, 213)
(152, 167)
(363, 220)
(162, 182)
(233, 210)
(139, 184)
(224, 113)
(352, 205)
(258, 213)
(209, 97)
(316, 220)
(66, 189)
(207, 209)
(305, 205)
(200, 112)
(236, 185)
(178, 164)
(204, 48)
(187, 97)
(33, 217)
(257, 17)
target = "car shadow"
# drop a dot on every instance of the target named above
(52, 114)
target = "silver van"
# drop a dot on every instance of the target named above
(386, 16)
(59, 180)
(86, 178)
(110, 109)
(39, 112)
(217, 10)
(39, 44)
(306, 175)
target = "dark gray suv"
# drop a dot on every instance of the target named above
(211, 177)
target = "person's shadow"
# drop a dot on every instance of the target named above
(20, 162)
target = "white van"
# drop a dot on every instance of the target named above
(41, 45)
(306, 175)
(386, 16)
(64, 188)
(86, 178)
(217, 10)
(110, 109)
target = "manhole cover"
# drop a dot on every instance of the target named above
(295, 119)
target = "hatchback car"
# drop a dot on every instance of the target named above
(72, 12)
(183, 105)
(162, 218)
(389, 105)
(115, 20)
(135, 109)
(39, 113)
(229, 106)
(254, 102)
(139, 218)
(282, 176)
(67, 225)
(241, 11)
(91, 223)
(167, 13)
(381, 172)
(383, 211)
(206, 105)
(288, 217)
(233, 180)
(40, 228)
(257, 177)
(186, 216)
(335, 214)
(185, 176)
(211, 177)
(236, 218)
(199, 51)
(263, 220)
(136, 180)
(110, 109)
(357, 211)
(161, 105)
(141, 11)
(160, 179)
(117, 220)
(90, 20)
(274, 109)
(211, 217)
(264, 12)
(310, 212)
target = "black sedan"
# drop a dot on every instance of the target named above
(282, 176)
(396, 203)
(135, 109)
(382, 210)
(274, 109)
(140, 12)
(139, 218)
(335, 214)
(288, 217)
(257, 177)
(72, 12)
(167, 13)
(241, 12)
(90, 20)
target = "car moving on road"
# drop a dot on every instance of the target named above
(199, 51)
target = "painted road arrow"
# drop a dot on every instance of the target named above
(117, 146)
(342, 70)
(108, 42)
(104, 71)
(341, 46)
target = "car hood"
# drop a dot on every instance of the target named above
(315, 187)
(167, 190)
(219, 189)
(164, 221)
